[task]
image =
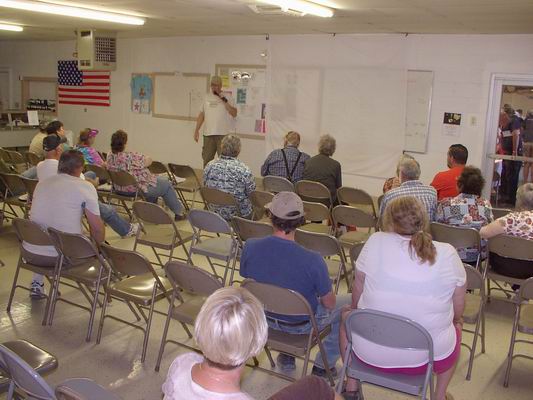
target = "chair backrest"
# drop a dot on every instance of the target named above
(31, 232)
(389, 330)
(24, 376)
(355, 250)
(500, 212)
(126, 262)
(356, 197)
(32, 158)
(276, 184)
(511, 247)
(83, 389)
(208, 221)
(13, 183)
(157, 167)
(73, 245)
(30, 185)
(526, 289)
(99, 171)
(4, 155)
(474, 279)
(246, 229)
(122, 178)
(279, 300)
(217, 197)
(352, 216)
(193, 280)
(151, 213)
(455, 235)
(316, 211)
(15, 157)
(322, 243)
(313, 191)
(183, 171)
(259, 200)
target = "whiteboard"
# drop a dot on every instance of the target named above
(179, 95)
(418, 109)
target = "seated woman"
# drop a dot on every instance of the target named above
(416, 278)
(85, 147)
(231, 175)
(517, 223)
(230, 328)
(137, 165)
(468, 209)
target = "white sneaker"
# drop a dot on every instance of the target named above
(134, 228)
(37, 291)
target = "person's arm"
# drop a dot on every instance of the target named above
(328, 300)
(495, 228)
(264, 167)
(516, 141)
(199, 122)
(96, 226)
(147, 161)
(338, 177)
(249, 185)
(357, 289)
(458, 300)
(230, 109)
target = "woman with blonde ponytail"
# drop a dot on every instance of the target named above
(402, 271)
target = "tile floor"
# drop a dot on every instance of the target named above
(115, 363)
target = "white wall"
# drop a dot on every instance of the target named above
(462, 66)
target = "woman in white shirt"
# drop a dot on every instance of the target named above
(403, 272)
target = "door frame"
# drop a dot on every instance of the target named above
(10, 85)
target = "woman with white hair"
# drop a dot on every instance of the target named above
(230, 328)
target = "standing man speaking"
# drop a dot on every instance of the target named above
(218, 112)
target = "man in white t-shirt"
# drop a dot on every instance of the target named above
(218, 117)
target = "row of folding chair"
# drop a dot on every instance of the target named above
(18, 192)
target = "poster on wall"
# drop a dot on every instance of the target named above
(451, 124)
(141, 93)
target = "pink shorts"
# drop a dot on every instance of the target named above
(438, 366)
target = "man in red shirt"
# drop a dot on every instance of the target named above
(445, 182)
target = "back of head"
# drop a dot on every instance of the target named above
(292, 138)
(407, 216)
(286, 212)
(86, 135)
(524, 197)
(404, 156)
(471, 181)
(459, 153)
(53, 127)
(231, 327)
(118, 141)
(327, 145)
(409, 169)
(231, 146)
(70, 162)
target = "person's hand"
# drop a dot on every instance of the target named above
(196, 136)
(458, 323)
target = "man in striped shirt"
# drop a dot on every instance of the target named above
(412, 186)
(287, 162)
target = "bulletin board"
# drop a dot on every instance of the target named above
(179, 95)
(247, 84)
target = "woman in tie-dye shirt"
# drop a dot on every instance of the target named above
(85, 146)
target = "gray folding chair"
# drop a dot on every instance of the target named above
(314, 192)
(259, 200)
(356, 198)
(32, 159)
(458, 237)
(276, 184)
(83, 389)
(30, 185)
(221, 247)
(500, 212)
(353, 217)
(523, 323)
(281, 301)
(38, 359)
(215, 198)
(104, 189)
(196, 283)
(246, 229)
(474, 313)
(17, 161)
(158, 168)
(14, 188)
(139, 285)
(159, 230)
(190, 185)
(395, 332)
(317, 217)
(327, 246)
(122, 179)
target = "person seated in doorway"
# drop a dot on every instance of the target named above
(324, 169)
(416, 278)
(468, 209)
(152, 186)
(230, 328)
(279, 260)
(445, 182)
(231, 175)
(287, 162)
(85, 146)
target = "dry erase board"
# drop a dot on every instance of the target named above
(179, 95)
(418, 110)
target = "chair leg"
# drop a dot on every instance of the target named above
(483, 330)
(93, 308)
(233, 267)
(511, 347)
(148, 326)
(474, 344)
(13, 286)
(163, 340)
(269, 355)
(102, 317)
(324, 358)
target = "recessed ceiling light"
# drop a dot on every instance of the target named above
(14, 28)
(303, 6)
(69, 11)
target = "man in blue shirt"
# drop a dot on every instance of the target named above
(279, 260)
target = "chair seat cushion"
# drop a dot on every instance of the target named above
(86, 273)
(353, 237)
(138, 288)
(526, 319)
(472, 303)
(291, 343)
(188, 186)
(83, 389)
(188, 311)
(218, 247)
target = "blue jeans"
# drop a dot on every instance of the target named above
(323, 318)
(164, 189)
(30, 173)
(111, 217)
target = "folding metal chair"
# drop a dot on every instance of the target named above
(14, 189)
(474, 312)
(158, 168)
(353, 217)
(523, 323)
(196, 283)
(327, 246)
(314, 191)
(500, 212)
(83, 389)
(159, 230)
(276, 184)
(287, 302)
(356, 198)
(259, 200)
(458, 237)
(317, 217)
(215, 198)
(391, 331)
(191, 184)
(139, 285)
(223, 247)
(32, 159)
(17, 161)
(104, 188)
(30, 185)
(123, 179)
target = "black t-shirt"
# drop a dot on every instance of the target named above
(507, 142)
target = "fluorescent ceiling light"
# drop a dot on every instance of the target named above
(69, 11)
(14, 28)
(302, 6)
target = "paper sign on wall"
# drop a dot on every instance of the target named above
(451, 124)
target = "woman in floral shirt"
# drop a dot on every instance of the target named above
(517, 223)
(467, 210)
(137, 165)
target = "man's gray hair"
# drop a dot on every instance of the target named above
(327, 145)
(292, 138)
(409, 169)
(524, 197)
(231, 146)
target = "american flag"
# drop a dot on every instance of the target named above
(88, 88)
